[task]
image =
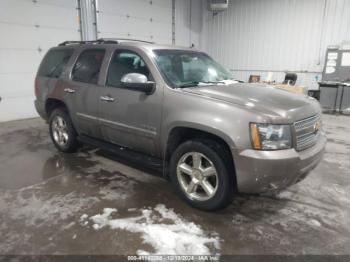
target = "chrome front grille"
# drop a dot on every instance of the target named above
(307, 132)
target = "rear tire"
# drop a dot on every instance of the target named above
(62, 132)
(201, 175)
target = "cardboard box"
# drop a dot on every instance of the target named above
(294, 89)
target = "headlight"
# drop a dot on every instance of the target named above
(270, 137)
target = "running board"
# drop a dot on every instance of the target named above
(123, 152)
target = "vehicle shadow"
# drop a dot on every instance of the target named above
(149, 169)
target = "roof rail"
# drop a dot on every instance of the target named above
(103, 41)
(124, 39)
(69, 43)
(98, 41)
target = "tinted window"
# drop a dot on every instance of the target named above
(125, 62)
(88, 66)
(54, 62)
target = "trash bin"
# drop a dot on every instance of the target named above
(345, 101)
(331, 96)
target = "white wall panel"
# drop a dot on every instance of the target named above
(188, 22)
(251, 37)
(137, 19)
(255, 36)
(151, 20)
(28, 29)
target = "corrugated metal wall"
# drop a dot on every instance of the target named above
(251, 37)
(188, 27)
(254, 36)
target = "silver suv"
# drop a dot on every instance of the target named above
(178, 108)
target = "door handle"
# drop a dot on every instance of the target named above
(107, 98)
(69, 91)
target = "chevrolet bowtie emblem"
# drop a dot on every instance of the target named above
(317, 126)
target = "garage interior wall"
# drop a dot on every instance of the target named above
(189, 22)
(28, 29)
(255, 37)
(245, 38)
(145, 20)
(150, 20)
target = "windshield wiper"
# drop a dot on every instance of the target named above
(234, 79)
(213, 82)
(196, 83)
(189, 84)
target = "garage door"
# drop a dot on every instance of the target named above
(27, 29)
(147, 20)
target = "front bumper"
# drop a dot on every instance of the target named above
(263, 171)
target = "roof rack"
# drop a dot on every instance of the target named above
(102, 41)
(125, 39)
(98, 41)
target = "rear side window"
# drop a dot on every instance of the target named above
(88, 66)
(54, 63)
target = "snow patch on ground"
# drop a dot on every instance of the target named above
(35, 209)
(314, 222)
(83, 217)
(161, 228)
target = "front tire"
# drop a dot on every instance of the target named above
(62, 132)
(201, 175)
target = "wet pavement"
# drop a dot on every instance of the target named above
(92, 203)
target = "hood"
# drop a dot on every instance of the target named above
(278, 104)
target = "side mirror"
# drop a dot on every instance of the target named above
(137, 82)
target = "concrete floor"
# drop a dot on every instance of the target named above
(49, 204)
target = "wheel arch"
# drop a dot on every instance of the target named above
(180, 134)
(53, 103)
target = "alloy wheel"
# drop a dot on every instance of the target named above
(197, 176)
(60, 131)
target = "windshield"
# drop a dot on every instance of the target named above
(183, 68)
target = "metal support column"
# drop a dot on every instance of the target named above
(173, 35)
(88, 19)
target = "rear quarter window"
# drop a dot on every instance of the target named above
(54, 62)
